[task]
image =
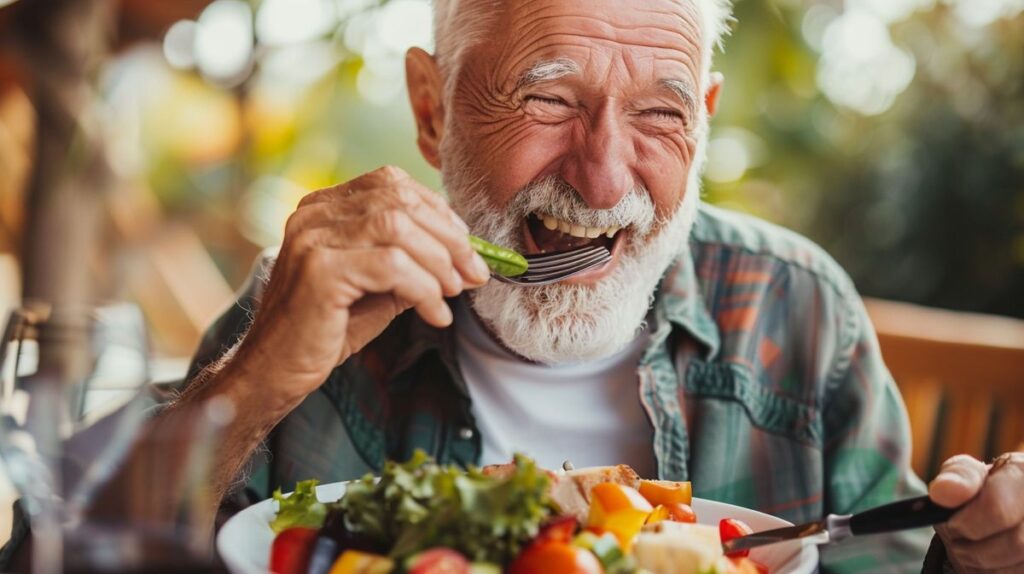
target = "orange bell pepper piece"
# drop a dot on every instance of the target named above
(666, 492)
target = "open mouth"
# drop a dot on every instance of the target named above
(546, 234)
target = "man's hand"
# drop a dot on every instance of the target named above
(987, 535)
(354, 257)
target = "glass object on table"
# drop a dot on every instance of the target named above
(61, 454)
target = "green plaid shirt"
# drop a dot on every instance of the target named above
(763, 381)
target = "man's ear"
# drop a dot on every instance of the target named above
(426, 88)
(714, 91)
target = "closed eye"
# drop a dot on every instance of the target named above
(663, 114)
(547, 100)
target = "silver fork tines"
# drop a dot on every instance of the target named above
(553, 267)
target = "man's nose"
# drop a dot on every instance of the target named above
(600, 167)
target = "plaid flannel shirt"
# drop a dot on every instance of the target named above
(763, 381)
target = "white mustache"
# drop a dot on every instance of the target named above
(555, 197)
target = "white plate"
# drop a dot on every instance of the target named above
(244, 542)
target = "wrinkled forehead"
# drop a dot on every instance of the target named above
(648, 36)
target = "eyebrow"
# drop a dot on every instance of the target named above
(547, 70)
(684, 91)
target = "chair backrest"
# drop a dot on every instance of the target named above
(961, 376)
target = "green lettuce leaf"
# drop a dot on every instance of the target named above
(420, 505)
(301, 508)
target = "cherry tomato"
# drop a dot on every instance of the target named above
(560, 529)
(679, 512)
(291, 550)
(730, 528)
(438, 561)
(547, 557)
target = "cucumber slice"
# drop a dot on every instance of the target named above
(605, 547)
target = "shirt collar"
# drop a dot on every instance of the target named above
(680, 299)
(406, 341)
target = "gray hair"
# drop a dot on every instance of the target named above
(459, 25)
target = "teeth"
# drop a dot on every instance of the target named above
(552, 224)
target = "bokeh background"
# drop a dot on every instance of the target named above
(889, 131)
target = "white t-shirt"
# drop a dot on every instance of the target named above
(588, 413)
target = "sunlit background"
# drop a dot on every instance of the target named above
(890, 131)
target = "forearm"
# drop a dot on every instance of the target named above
(233, 411)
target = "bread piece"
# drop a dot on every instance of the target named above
(588, 478)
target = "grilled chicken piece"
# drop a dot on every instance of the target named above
(571, 491)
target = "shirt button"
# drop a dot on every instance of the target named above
(465, 433)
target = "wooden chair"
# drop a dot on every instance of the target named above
(961, 376)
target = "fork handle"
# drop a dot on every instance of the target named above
(902, 515)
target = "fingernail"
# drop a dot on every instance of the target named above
(480, 268)
(957, 479)
(446, 315)
(457, 281)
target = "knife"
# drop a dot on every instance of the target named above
(902, 515)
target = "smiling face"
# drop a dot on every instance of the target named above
(605, 103)
(574, 122)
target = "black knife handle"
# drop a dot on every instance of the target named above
(902, 515)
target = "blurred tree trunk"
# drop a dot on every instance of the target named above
(61, 43)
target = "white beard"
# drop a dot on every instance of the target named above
(565, 323)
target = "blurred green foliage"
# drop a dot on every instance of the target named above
(919, 192)
(923, 202)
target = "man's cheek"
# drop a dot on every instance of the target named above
(522, 155)
(668, 189)
(664, 163)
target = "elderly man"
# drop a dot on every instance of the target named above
(714, 347)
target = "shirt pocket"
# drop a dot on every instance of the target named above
(751, 445)
(767, 409)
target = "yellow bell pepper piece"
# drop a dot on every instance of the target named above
(659, 514)
(618, 509)
(355, 562)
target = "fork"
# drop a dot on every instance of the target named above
(545, 268)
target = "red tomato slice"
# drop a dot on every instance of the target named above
(730, 528)
(439, 561)
(560, 529)
(289, 554)
(679, 512)
(550, 557)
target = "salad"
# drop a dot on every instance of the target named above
(420, 517)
